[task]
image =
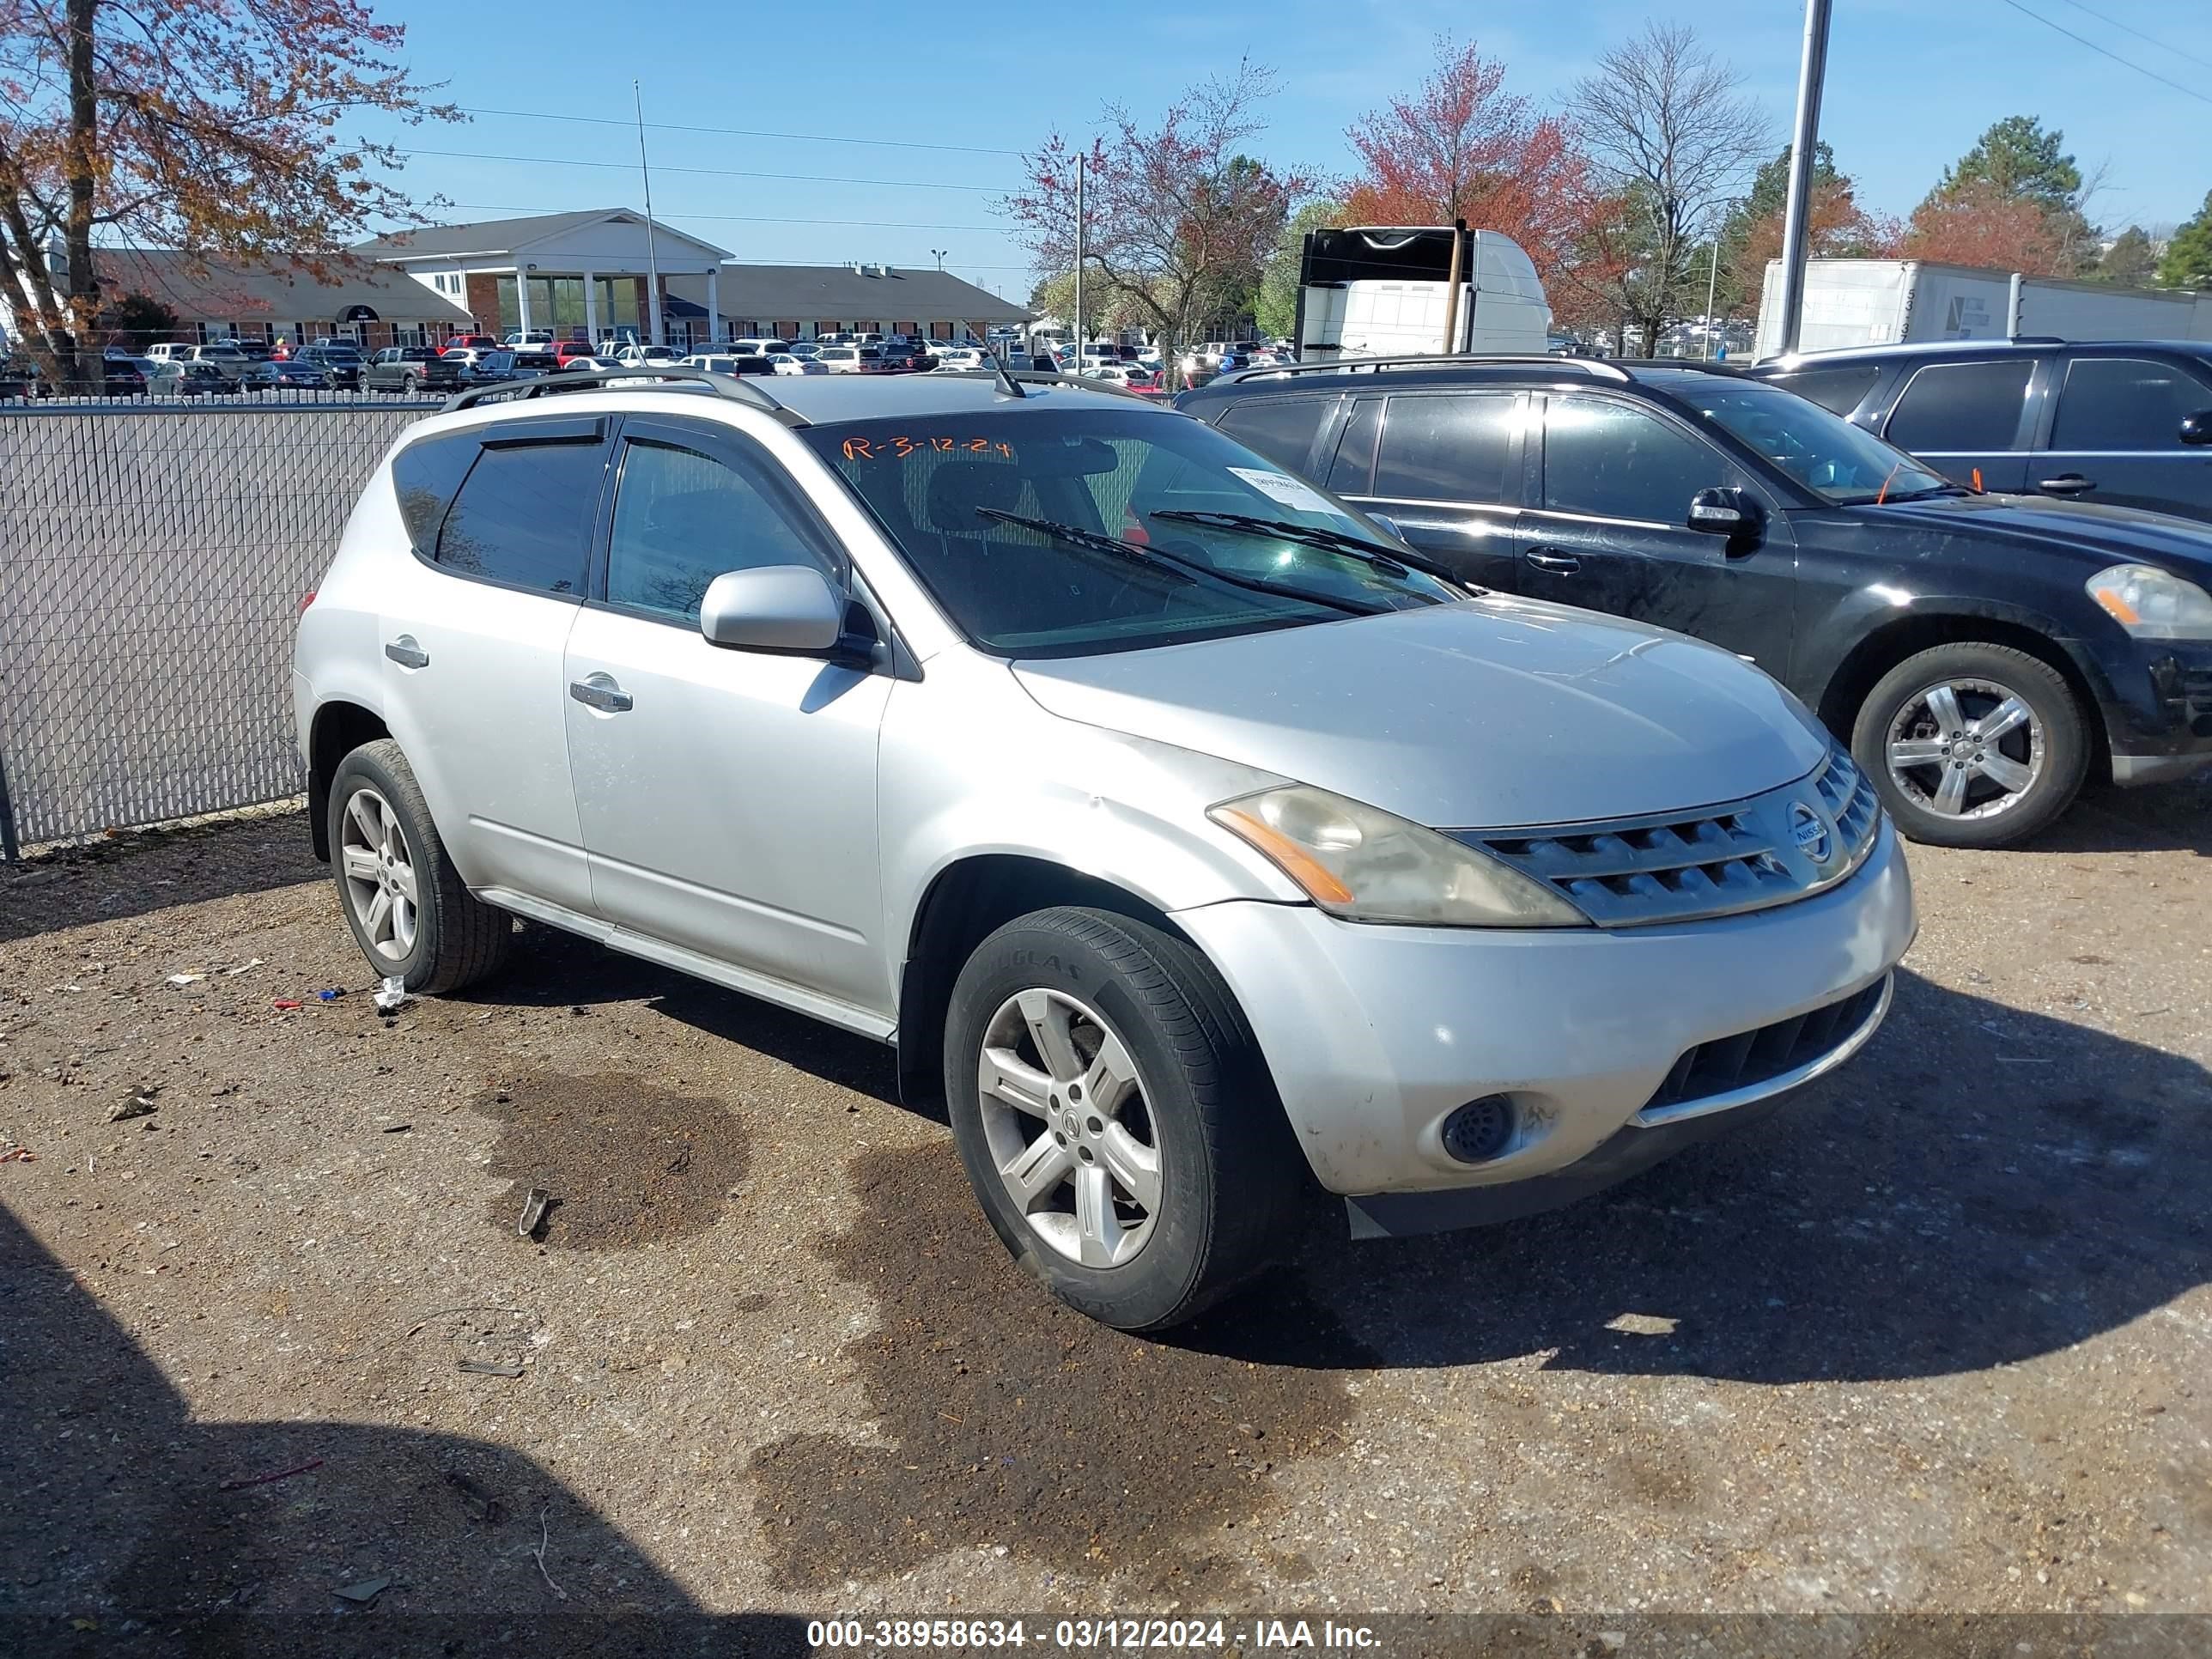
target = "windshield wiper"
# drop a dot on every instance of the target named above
(1172, 564)
(1391, 561)
(1095, 542)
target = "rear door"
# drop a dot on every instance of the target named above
(1610, 531)
(1446, 468)
(2114, 435)
(473, 629)
(1970, 420)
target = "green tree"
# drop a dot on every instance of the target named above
(2131, 262)
(2188, 262)
(1276, 307)
(2018, 159)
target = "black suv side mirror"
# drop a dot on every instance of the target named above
(2197, 428)
(1730, 512)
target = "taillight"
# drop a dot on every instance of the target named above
(306, 599)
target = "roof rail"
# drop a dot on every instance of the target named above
(737, 390)
(1598, 365)
(1012, 379)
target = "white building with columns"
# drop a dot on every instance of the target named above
(586, 276)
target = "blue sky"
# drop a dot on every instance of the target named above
(1909, 87)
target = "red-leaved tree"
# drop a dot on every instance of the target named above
(1977, 224)
(1461, 147)
(1177, 219)
(209, 125)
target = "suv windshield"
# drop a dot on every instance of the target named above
(1825, 452)
(949, 490)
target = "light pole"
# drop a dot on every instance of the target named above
(939, 254)
(1797, 212)
(651, 255)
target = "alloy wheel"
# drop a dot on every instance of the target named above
(378, 868)
(1965, 748)
(1065, 1121)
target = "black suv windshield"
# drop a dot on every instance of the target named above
(951, 490)
(1825, 452)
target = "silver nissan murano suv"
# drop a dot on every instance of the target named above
(1195, 843)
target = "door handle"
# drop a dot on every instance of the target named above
(2066, 483)
(599, 692)
(1545, 559)
(408, 655)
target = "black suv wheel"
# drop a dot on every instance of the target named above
(1971, 745)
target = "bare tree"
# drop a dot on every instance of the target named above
(1177, 219)
(1670, 139)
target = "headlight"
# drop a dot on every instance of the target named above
(1368, 865)
(2153, 603)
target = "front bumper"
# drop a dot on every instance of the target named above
(2159, 725)
(1376, 1034)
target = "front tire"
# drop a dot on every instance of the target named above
(1115, 1118)
(408, 909)
(1973, 744)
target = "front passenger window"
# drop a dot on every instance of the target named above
(1611, 461)
(681, 520)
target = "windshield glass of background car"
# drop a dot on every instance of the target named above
(1823, 452)
(1019, 593)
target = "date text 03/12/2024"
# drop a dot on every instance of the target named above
(1086, 1635)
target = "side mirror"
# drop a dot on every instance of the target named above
(1729, 512)
(777, 607)
(2197, 428)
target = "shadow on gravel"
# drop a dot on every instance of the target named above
(1981, 1186)
(119, 1534)
(2158, 819)
(74, 887)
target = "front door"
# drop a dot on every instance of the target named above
(728, 798)
(2116, 437)
(1445, 467)
(1611, 531)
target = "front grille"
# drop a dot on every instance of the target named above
(1750, 1058)
(1682, 866)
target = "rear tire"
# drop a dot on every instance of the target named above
(1176, 1179)
(1973, 744)
(407, 907)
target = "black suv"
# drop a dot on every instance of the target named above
(1982, 653)
(2127, 422)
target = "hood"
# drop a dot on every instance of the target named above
(1493, 714)
(2110, 535)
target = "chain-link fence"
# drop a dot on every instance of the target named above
(152, 561)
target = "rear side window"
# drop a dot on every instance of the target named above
(523, 516)
(1348, 474)
(425, 475)
(1962, 407)
(2125, 402)
(1281, 429)
(1451, 447)
(1838, 390)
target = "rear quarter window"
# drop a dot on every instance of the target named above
(1839, 390)
(426, 476)
(1281, 429)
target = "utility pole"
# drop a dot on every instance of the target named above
(1712, 287)
(652, 254)
(1797, 213)
(1079, 159)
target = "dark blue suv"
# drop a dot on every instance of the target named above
(1983, 653)
(2127, 422)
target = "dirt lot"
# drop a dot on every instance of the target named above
(1939, 1337)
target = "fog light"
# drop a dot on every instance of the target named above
(1480, 1130)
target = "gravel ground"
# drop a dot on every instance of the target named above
(1937, 1338)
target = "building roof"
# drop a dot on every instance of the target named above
(229, 290)
(488, 237)
(817, 293)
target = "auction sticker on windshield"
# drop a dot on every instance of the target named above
(1282, 487)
